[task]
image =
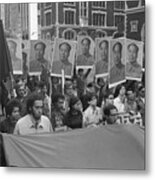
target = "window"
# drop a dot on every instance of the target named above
(69, 34)
(100, 4)
(48, 19)
(84, 9)
(100, 33)
(69, 16)
(119, 19)
(133, 4)
(119, 5)
(98, 19)
(69, 3)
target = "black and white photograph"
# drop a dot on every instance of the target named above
(63, 57)
(39, 56)
(72, 87)
(134, 59)
(16, 54)
(102, 56)
(85, 52)
(117, 61)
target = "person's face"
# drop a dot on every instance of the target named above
(110, 99)
(44, 90)
(39, 51)
(21, 91)
(122, 90)
(78, 106)
(12, 48)
(63, 52)
(142, 93)
(93, 102)
(15, 115)
(61, 104)
(104, 51)
(37, 109)
(117, 55)
(113, 116)
(132, 54)
(85, 46)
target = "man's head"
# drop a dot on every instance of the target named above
(132, 52)
(69, 88)
(80, 72)
(59, 101)
(13, 109)
(117, 53)
(43, 87)
(110, 113)
(39, 48)
(35, 106)
(85, 45)
(64, 51)
(109, 99)
(142, 91)
(92, 100)
(12, 47)
(20, 90)
(75, 104)
(103, 45)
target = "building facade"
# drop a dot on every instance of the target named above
(70, 19)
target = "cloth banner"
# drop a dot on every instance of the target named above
(108, 147)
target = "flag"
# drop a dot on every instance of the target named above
(5, 59)
(108, 147)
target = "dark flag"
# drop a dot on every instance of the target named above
(5, 58)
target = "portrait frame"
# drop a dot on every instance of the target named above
(18, 54)
(118, 81)
(79, 51)
(71, 57)
(130, 75)
(47, 54)
(98, 56)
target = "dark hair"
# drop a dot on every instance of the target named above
(31, 99)
(108, 108)
(41, 84)
(87, 39)
(91, 96)
(119, 44)
(103, 41)
(11, 105)
(118, 88)
(56, 97)
(43, 44)
(68, 45)
(133, 44)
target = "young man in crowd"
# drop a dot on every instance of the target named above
(74, 117)
(92, 115)
(58, 112)
(110, 114)
(13, 110)
(34, 122)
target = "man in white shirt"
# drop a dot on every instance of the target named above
(92, 115)
(34, 122)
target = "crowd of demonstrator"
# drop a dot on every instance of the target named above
(38, 107)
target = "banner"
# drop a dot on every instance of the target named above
(108, 147)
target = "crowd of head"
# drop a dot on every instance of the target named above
(38, 107)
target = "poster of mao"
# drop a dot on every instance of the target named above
(117, 62)
(16, 54)
(134, 58)
(85, 52)
(40, 57)
(101, 56)
(63, 57)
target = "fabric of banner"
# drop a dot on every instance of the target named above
(107, 147)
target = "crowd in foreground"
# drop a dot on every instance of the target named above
(35, 109)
